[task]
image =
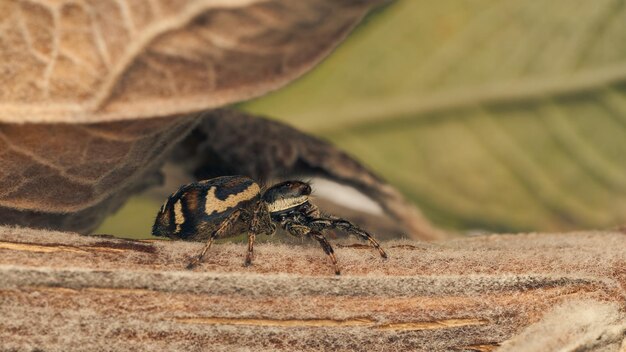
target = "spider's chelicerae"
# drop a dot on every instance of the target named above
(205, 210)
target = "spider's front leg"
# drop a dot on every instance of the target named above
(299, 230)
(341, 224)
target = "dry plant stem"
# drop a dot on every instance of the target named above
(62, 291)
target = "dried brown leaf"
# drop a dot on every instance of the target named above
(71, 176)
(107, 60)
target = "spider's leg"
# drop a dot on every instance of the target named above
(251, 237)
(341, 224)
(302, 230)
(260, 222)
(221, 230)
(254, 229)
(328, 249)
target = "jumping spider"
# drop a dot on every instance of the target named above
(205, 210)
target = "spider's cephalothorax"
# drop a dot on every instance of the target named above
(205, 210)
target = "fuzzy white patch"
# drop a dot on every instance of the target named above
(283, 204)
(344, 195)
(578, 325)
(214, 204)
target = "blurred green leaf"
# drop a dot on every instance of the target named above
(499, 115)
(134, 219)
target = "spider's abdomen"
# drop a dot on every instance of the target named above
(196, 209)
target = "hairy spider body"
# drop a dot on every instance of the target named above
(197, 209)
(222, 206)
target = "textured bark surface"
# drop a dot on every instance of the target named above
(62, 291)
